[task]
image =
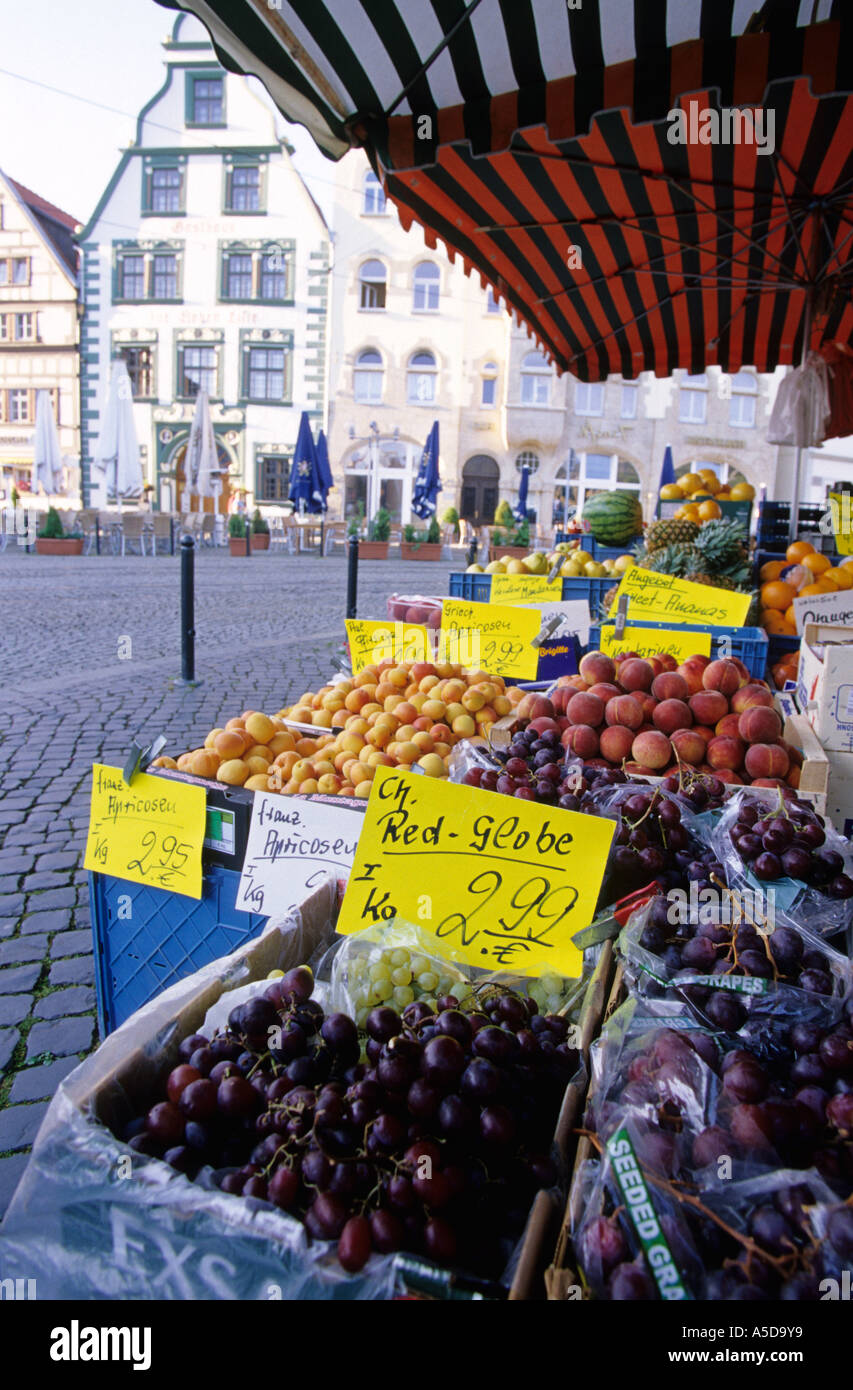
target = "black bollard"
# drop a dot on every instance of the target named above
(248, 537)
(187, 610)
(97, 535)
(352, 576)
(171, 535)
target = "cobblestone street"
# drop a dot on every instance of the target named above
(75, 692)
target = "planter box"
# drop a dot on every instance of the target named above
(508, 552)
(237, 545)
(260, 540)
(62, 545)
(426, 551)
(373, 550)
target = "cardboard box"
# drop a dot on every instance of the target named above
(839, 801)
(825, 684)
(814, 773)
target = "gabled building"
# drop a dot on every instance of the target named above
(38, 329)
(205, 266)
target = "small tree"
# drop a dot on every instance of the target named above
(433, 534)
(52, 529)
(451, 518)
(260, 527)
(380, 526)
(503, 514)
(237, 525)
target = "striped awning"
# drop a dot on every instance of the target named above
(534, 138)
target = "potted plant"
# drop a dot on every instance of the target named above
(379, 531)
(422, 545)
(237, 534)
(260, 532)
(52, 540)
(513, 546)
(451, 518)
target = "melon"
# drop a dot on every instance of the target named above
(614, 517)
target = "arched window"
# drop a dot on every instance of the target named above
(421, 379)
(372, 279)
(367, 377)
(693, 399)
(535, 380)
(527, 459)
(427, 279)
(374, 195)
(489, 384)
(742, 403)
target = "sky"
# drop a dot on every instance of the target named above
(94, 54)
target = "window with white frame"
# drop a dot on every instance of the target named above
(426, 282)
(743, 398)
(693, 399)
(535, 380)
(527, 459)
(421, 379)
(367, 377)
(584, 475)
(489, 384)
(630, 397)
(374, 196)
(493, 306)
(589, 398)
(372, 280)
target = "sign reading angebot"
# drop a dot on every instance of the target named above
(661, 598)
(149, 832)
(294, 844)
(501, 884)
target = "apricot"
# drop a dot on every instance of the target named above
(432, 764)
(204, 762)
(212, 737)
(258, 782)
(329, 784)
(233, 772)
(229, 744)
(282, 742)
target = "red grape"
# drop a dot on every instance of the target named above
(354, 1244)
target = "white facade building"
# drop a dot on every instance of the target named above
(205, 265)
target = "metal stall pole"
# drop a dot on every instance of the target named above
(352, 576)
(188, 611)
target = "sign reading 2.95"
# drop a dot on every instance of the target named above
(150, 832)
(502, 884)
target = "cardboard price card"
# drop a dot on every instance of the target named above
(501, 885)
(663, 598)
(491, 638)
(295, 844)
(373, 640)
(525, 588)
(824, 608)
(651, 641)
(149, 832)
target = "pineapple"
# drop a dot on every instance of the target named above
(670, 533)
(721, 544)
(714, 581)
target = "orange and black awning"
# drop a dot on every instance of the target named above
(534, 139)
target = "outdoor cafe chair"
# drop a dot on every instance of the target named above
(161, 530)
(207, 534)
(335, 534)
(86, 523)
(133, 531)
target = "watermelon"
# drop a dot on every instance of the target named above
(613, 517)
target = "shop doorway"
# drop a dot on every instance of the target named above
(480, 490)
(202, 504)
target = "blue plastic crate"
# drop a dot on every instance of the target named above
(474, 587)
(599, 552)
(748, 644)
(593, 590)
(148, 938)
(778, 645)
(774, 521)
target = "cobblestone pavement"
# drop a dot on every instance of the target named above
(76, 692)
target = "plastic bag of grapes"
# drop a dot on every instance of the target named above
(729, 960)
(782, 850)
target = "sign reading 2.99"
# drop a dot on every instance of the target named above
(501, 884)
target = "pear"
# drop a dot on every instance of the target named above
(569, 570)
(516, 567)
(583, 557)
(623, 563)
(593, 570)
(496, 567)
(475, 569)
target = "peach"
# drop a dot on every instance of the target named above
(645, 728)
(793, 777)
(689, 746)
(767, 760)
(707, 706)
(647, 703)
(595, 666)
(723, 676)
(615, 742)
(532, 706)
(699, 660)
(233, 772)
(795, 756)
(704, 732)
(634, 769)
(668, 661)
(692, 674)
(544, 725)
(760, 725)
(624, 709)
(656, 664)
(636, 674)
(585, 708)
(769, 782)
(580, 739)
(745, 676)
(725, 751)
(669, 685)
(725, 774)
(578, 683)
(604, 690)
(751, 696)
(670, 715)
(727, 726)
(652, 749)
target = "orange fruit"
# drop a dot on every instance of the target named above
(815, 562)
(811, 590)
(825, 585)
(710, 510)
(689, 512)
(771, 569)
(790, 617)
(692, 482)
(796, 550)
(777, 594)
(847, 561)
(770, 619)
(743, 492)
(840, 577)
(671, 492)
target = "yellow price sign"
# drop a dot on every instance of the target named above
(492, 638)
(841, 506)
(371, 640)
(663, 598)
(503, 884)
(149, 832)
(652, 641)
(525, 588)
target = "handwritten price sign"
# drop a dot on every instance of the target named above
(649, 641)
(294, 845)
(150, 832)
(504, 636)
(525, 588)
(663, 598)
(371, 640)
(502, 884)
